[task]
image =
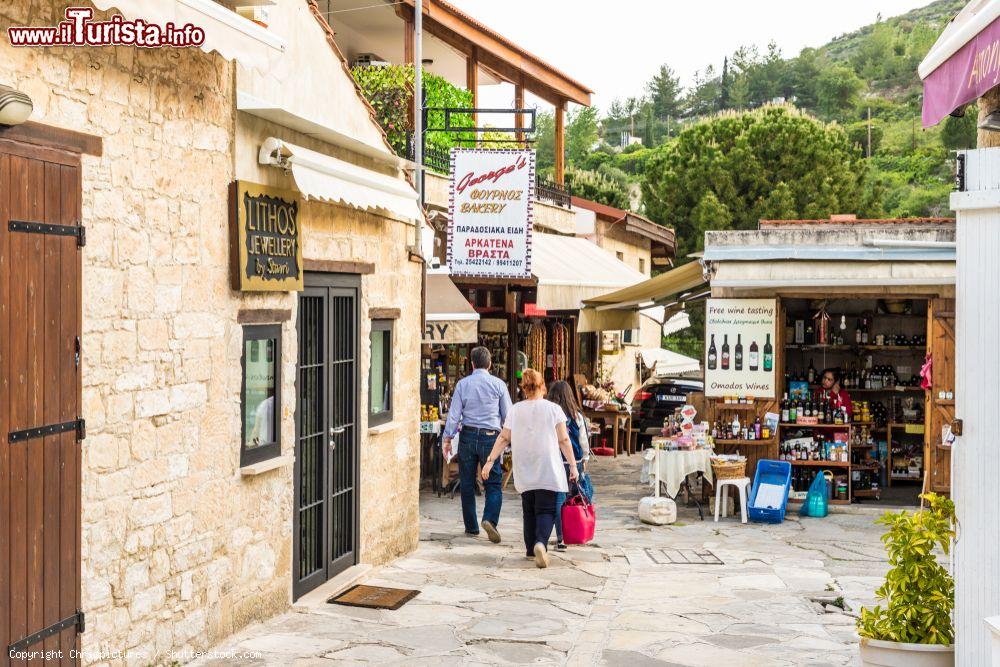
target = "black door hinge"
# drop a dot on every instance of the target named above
(78, 425)
(76, 619)
(78, 231)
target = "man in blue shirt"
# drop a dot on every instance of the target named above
(478, 411)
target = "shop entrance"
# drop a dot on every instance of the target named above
(326, 452)
(40, 424)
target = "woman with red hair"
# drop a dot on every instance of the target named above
(536, 431)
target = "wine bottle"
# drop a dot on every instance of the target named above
(864, 331)
(713, 355)
(768, 355)
(793, 411)
(857, 332)
(738, 360)
(784, 408)
(725, 352)
(754, 357)
(812, 373)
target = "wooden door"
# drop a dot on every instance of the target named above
(940, 401)
(326, 460)
(40, 424)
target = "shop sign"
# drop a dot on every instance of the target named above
(968, 74)
(491, 195)
(265, 238)
(740, 338)
(532, 310)
(450, 331)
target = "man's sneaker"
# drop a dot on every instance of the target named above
(541, 555)
(491, 530)
(561, 546)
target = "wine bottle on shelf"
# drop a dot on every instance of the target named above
(793, 412)
(811, 378)
(784, 408)
(725, 352)
(738, 357)
(857, 332)
(754, 362)
(713, 355)
(768, 355)
(864, 331)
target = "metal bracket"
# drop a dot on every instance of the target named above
(76, 619)
(78, 425)
(77, 231)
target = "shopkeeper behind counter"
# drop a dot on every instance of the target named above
(834, 393)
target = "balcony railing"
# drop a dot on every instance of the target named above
(439, 161)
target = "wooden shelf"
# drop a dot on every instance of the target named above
(720, 441)
(943, 401)
(894, 348)
(821, 464)
(832, 501)
(848, 348)
(736, 406)
(793, 425)
(897, 389)
(866, 493)
(807, 346)
(901, 478)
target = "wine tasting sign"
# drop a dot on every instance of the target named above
(265, 238)
(740, 339)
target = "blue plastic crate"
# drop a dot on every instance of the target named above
(778, 473)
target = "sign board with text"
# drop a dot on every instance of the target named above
(265, 238)
(490, 202)
(740, 340)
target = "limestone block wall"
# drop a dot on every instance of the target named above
(178, 550)
(390, 454)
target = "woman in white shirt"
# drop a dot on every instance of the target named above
(536, 432)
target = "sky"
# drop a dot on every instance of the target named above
(615, 46)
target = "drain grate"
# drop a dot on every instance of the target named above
(683, 557)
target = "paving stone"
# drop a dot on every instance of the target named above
(613, 658)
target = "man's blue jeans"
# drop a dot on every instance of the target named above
(473, 448)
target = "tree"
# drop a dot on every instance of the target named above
(703, 98)
(648, 127)
(545, 140)
(959, 133)
(734, 169)
(582, 133)
(665, 93)
(725, 84)
(837, 91)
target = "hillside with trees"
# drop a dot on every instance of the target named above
(865, 82)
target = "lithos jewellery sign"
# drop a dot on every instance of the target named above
(490, 203)
(739, 350)
(266, 251)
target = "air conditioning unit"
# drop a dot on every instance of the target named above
(370, 60)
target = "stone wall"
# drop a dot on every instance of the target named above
(179, 549)
(614, 239)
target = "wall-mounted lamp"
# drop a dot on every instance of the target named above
(991, 122)
(427, 61)
(15, 106)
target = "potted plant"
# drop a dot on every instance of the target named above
(914, 629)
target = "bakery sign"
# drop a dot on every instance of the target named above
(265, 238)
(490, 203)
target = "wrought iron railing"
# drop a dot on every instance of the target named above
(439, 161)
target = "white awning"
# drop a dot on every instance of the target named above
(832, 274)
(667, 362)
(571, 269)
(450, 317)
(226, 32)
(326, 178)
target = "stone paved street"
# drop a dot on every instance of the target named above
(608, 603)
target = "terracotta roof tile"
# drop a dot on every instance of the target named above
(858, 221)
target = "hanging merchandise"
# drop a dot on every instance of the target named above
(560, 351)
(822, 325)
(536, 347)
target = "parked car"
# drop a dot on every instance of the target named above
(655, 400)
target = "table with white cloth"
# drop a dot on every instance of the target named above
(675, 465)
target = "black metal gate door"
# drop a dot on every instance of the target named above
(326, 461)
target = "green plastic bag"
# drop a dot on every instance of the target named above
(817, 500)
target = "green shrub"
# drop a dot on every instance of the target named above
(918, 591)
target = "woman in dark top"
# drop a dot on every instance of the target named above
(561, 394)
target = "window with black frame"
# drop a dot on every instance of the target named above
(380, 375)
(261, 395)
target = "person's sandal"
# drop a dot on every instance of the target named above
(541, 555)
(491, 531)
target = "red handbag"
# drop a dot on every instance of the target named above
(578, 519)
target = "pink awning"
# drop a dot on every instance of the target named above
(964, 77)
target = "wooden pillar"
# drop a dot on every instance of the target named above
(408, 47)
(519, 104)
(560, 157)
(472, 81)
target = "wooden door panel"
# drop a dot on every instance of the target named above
(940, 411)
(40, 476)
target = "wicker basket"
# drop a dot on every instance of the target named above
(729, 469)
